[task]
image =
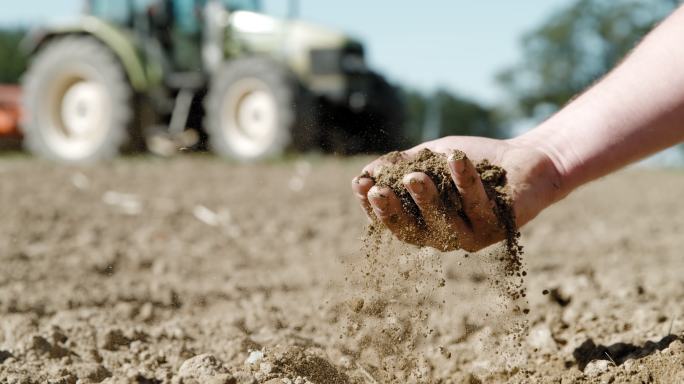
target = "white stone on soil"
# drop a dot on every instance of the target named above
(127, 203)
(597, 367)
(540, 338)
(254, 357)
(80, 181)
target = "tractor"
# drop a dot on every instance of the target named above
(223, 74)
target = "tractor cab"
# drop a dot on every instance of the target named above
(170, 30)
(176, 26)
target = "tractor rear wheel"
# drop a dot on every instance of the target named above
(255, 109)
(78, 102)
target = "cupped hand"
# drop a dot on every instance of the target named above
(533, 183)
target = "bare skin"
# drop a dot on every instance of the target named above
(635, 111)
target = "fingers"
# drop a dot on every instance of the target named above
(361, 185)
(388, 209)
(424, 192)
(476, 204)
(444, 232)
(476, 227)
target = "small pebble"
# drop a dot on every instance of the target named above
(597, 367)
(254, 357)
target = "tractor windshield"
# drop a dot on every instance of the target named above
(243, 5)
(118, 12)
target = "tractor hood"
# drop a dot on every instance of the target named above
(294, 41)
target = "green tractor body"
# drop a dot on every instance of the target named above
(135, 73)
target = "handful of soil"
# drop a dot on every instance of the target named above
(432, 164)
(494, 180)
(435, 166)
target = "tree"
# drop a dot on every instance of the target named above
(13, 61)
(443, 113)
(416, 106)
(575, 47)
(460, 116)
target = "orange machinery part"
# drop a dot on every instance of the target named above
(10, 110)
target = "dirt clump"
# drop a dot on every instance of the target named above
(299, 364)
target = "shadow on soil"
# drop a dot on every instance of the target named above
(618, 352)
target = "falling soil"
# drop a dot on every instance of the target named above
(397, 287)
(494, 181)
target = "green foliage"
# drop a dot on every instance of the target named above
(460, 116)
(416, 107)
(13, 61)
(575, 47)
(451, 114)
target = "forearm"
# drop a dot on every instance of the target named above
(636, 110)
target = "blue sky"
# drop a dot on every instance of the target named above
(455, 44)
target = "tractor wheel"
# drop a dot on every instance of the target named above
(78, 102)
(255, 109)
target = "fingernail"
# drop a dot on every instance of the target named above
(378, 200)
(457, 162)
(416, 186)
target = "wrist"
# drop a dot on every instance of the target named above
(538, 182)
(554, 154)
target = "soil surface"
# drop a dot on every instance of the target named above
(195, 270)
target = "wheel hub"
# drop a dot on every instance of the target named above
(82, 109)
(256, 114)
(250, 117)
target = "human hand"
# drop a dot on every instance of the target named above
(533, 183)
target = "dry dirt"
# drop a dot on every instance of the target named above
(194, 270)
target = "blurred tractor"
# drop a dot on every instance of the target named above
(136, 73)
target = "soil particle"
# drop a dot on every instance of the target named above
(113, 339)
